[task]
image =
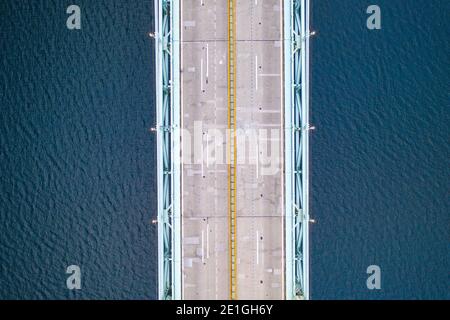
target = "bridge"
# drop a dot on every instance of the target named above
(232, 101)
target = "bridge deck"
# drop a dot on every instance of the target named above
(259, 185)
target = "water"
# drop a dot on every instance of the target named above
(77, 159)
(380, 154)
(78, 162)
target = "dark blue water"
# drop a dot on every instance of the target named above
(77, 159)
(380, 154)
(78, 163)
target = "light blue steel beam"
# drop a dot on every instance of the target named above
(305, 144)
(176, 152)
(167, 111)
(296, 29)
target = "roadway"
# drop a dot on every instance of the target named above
(204, 108)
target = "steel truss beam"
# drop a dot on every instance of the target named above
(296, 30)
(168, 118)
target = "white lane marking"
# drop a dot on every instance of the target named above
(201, 74)
(188, 23)
(257, 246)
(262, 259)
(207, 241)
(270, 111)
(256, 73)
(203, 155)
(207, 151)
(256, 2)
(203, 246)
(257, 161)
(216, 253)
(207, 61)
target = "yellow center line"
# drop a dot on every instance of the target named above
(232, 146)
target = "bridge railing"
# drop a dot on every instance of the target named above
(296, 59)
(168, 145)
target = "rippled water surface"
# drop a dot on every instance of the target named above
(78, 163)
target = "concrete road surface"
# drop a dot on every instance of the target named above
(259, 107)
(259, 99)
